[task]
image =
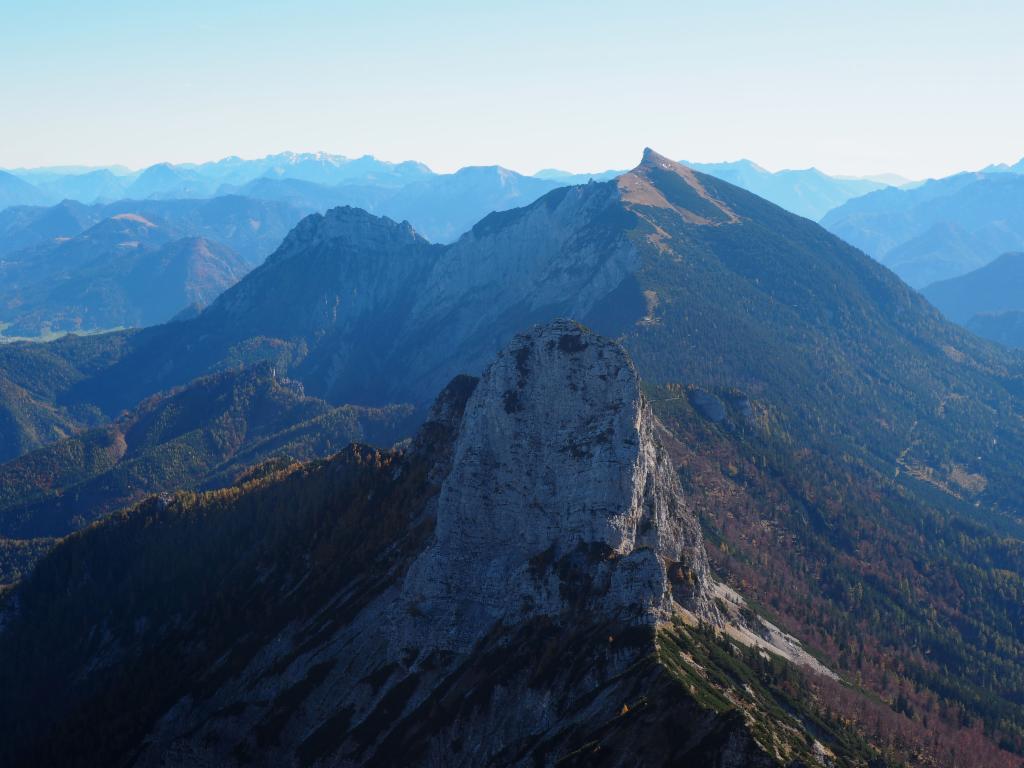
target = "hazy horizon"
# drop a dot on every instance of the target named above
(86, 167)
(852, 91)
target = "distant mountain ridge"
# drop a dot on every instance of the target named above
(1017, 167)
(806, 192)
(441, 207)
(938, 230)
(128, 283)
(996, 287)
(989, 301)
(351, 181)
(41, 186)
(14, 191)
(1006, 327)
(809, 193)
(252, 228)
(86, 268)
(202, 436)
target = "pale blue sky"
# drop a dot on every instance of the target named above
(914, 87)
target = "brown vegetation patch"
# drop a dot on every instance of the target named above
(133, 217)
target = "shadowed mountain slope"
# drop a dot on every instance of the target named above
(996, 287)
(386, 608)
(125, 271)
(201, 436)
(1006, 328)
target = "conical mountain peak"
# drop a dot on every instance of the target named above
(650, 157)
(660, 183)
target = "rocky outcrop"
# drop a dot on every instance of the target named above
(561, 498)
(557, 519)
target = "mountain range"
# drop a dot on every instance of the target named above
(361, 181)
(15, 191)
(1017, 167)
(938, 230)
(201, 436)
(251, 228)
(77, 267)
(86, 268)
(850, 457)
(137, 280)
(808, 192)
(440, 207)
(174, 181)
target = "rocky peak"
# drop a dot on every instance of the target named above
(346, 226)
(560, 497)
(660, 183)
(332, 271)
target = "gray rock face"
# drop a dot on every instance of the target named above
(540, 252)
(559, 518)
(516, 268)
(557, 466)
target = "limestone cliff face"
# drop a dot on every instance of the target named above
(560, 497)
(500, 600)
(557, 518)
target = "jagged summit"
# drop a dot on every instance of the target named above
(338, 270)
(651, 157)
(560, 494)
(345, 225)
(662, 183)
